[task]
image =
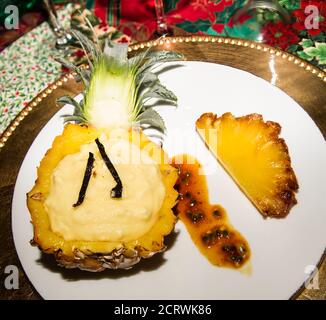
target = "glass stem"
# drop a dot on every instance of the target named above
(162, 27)
(63, 37)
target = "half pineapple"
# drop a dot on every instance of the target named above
(256, 158)
(104, 192)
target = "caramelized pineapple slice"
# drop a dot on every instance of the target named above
(258, 160)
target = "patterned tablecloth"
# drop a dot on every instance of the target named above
(26, 68)
(27, 65)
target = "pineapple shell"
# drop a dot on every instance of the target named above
(93, 255)
(251, 151)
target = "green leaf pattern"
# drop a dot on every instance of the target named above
(313, 51)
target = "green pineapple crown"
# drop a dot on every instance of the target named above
(118, 89)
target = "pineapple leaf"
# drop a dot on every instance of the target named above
(66, 63)
(138, 60)
(71, 66)
(68, 100)
(146, 78)
(154, 57)
(87, 46)
(159, 91)
(69, 118)
(86, 75)
(164, 55)
(78, 115)
(151, 118)
(117, 88)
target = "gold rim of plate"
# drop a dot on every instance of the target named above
(299, 79)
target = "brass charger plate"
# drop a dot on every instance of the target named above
(305, 83)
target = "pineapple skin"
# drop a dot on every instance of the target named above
(98, 255)
(279, 202)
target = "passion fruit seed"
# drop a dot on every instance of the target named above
(195, 216)
(225, 233)
(212, 236)
(217, 213)
(208, 239)
(236, 259)
(236, 254)
(185, 177)
(229, 248)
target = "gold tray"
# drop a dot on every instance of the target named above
(303, 82)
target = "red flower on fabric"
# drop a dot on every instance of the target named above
(79, 53)
(104, 26)
(280, 35)
(64, 69)
(218, 27)
(138, 17)
(194, 10)
(123, 39)
(301, 16)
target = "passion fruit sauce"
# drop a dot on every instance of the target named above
(207, 224)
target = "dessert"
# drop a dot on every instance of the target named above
(104, 192)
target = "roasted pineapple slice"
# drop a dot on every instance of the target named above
(258, 160)
(102, 232)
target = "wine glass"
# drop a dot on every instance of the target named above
(64, 38)
(162, 28)
(247, 22)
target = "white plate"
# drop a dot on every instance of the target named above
(282, 250)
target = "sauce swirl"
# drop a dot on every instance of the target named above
(208, 224)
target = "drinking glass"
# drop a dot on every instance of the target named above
(247, 22)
